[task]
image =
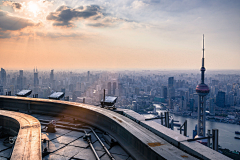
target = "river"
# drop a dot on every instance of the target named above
(226, 131)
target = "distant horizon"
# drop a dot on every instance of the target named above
(116, 69)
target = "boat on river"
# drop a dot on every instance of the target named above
(237, 132)
(237, 137)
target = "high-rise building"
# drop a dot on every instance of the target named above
(88, 74)
(164, 92)
(120, 87)
(202, 90)
(36, 81)
(195, 97)
(231, 98)
(21, 73)
(1, 90)
(186, 96)
(212, 107)
(109, 87)
(191, 104)
(215, 82)
(171, 93)
(51, 76)
(229, 88)
(3, 77)
(137, 91)
(170, 81)
(220, 99)
(170, 104)
(183, 103)
(78, 86)
(20, 80)
(114, 88)
(135, 106)
(171, 90)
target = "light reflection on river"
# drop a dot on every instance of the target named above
(226, 131)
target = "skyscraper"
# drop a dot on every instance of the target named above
(51, 76)
(114, 88)
(220, 99)
(3, 76)
(164, 92)
(109, 87)
(36, 81)
(20, 80)
(88, 74)
(21, 73)
(1, 90)
(170, 81)
(171, 90)
(212, 107)
(202, 90)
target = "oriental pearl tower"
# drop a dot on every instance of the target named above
(202, 91)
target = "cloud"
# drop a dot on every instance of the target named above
(5, 34)
(97, 24)
(138, 4)
(8, 22)
(64, 15)
(57, 34)
(92, 15)
(17, 5)
(14, 5)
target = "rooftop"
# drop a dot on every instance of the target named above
(136, 138)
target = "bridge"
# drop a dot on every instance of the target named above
(141, 139)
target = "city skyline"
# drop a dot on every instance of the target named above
(139, 91)
(118, 35)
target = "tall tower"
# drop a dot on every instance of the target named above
(52, 76)
(202, 90)
(36, 81)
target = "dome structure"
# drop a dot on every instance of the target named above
(202, 89)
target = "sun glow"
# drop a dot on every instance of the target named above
(33, 8)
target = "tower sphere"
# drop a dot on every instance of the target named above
(202, 89)
(203, 69)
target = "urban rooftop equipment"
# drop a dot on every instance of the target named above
(108, 101)
(24, 93)
(56, 95)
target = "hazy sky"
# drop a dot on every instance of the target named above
(101, 34)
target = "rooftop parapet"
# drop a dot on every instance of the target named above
(28, 131)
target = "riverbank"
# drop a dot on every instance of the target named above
(210, 118)
(226, 130)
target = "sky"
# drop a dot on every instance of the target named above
(119, 34)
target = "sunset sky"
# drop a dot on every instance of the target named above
(119, 34)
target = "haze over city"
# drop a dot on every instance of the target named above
(95, 34)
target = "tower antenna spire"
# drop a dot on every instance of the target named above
(203, 68)
(203, 53)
